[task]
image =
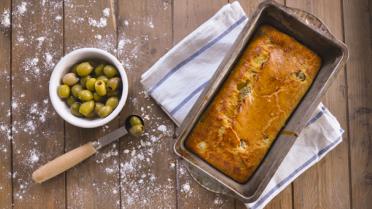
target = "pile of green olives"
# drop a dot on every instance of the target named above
(91, 89)
(135, 125)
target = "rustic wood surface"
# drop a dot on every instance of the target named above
(320, 187)
(5, 112)
(145, 173)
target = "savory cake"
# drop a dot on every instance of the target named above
(267, 83)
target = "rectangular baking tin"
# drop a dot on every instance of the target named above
(311, 32)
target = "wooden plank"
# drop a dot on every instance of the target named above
(37, 130)
(283, 199)
(148, 176)
(94, 183)
(5, 114)
(358, 37)
(320, 187)
(188, 15)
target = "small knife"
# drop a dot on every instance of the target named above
(134, 124)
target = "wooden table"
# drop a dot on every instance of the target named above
(145, 173)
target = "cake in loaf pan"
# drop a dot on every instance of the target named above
(267, 83)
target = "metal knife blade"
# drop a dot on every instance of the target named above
(109, 138)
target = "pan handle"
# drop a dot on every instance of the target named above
(308, 19)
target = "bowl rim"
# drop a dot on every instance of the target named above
(55, 80)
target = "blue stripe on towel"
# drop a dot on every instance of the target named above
(200, 51)
(190, 96)
(316, 117)
(291, 175)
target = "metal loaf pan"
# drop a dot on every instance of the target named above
(311, 32)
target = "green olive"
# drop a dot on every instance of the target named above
(70, 79)
(73, 70)
(91, 115)
(75, 109)
(76, 89)
(113, 83)
(113, 102)
(71, 100)
(134, 125)
(104, 111)
(84, 69)
(99, 70)
(102, 78)
(86, 108)
(300, 75)
(134, 120)
(85, 95)
(84, 80)
(97, 97)
(90, 84)
(98, 107)
(112, 93)
(63, 91)
(136, 130)
(100, 87)
(110, 71)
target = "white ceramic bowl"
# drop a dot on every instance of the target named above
(64, 66)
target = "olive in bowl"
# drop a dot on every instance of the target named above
(83, 93)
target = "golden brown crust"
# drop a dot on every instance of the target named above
(270, 78)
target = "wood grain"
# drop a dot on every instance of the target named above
(190, 14)
(148, 178)
(94, 183)
(319, 187)
(283, 200)
(42, 31)
(5, 105)
(358, 37)
(37, 130)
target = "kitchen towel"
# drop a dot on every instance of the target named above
(176, 81)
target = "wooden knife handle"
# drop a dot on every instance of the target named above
(63, 163)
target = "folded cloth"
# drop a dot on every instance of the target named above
(176, 81)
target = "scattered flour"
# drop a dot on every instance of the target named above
(48, 57)
(35, 116)
(185, 187)
(20, 39)
(58, 17)
(109, 170)
(5, 136)
(162, 128)
(107, 155)
(22, 8)
(172, 165)
(218, 200)
(34, 157)
(31, 68)
(106, 12)
(40, 40)
(5, 19)
(165, 5)
(151, 24)
(129, 50)
(102, 22)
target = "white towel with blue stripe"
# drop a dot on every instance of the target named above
(178, 78)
